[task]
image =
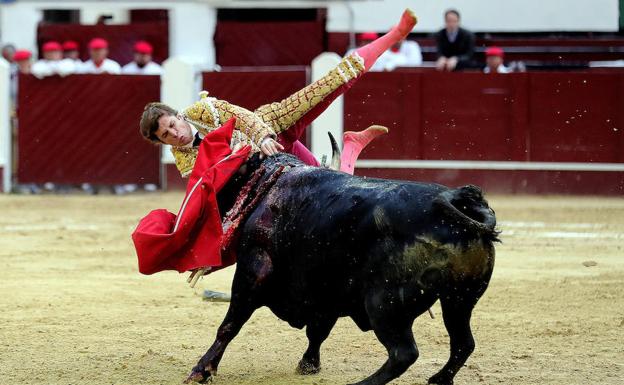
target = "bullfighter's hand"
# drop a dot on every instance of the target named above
(270, 147)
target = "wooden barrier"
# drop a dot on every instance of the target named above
(523, 133)
(536, 132)
(85, 128)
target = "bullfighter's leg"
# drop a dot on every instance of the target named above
(456, 314)
(246, 288)
(291, 116)
(393, 327)
(317, 332)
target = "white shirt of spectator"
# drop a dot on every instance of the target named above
(150, 68)
(501, 69)
(108, 66)
(42, 68)
(409, 55)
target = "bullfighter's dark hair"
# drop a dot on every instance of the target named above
(149, 119)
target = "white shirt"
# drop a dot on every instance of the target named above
(107, 66)
(409, 55)
(42, 68)
(150, 68)
(501, 69)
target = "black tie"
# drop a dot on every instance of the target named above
(197, 140)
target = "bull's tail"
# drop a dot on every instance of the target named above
(468, 205)
(335, 162)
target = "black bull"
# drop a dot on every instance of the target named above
(323, 244)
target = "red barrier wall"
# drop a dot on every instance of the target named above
(552, 117)
(536, 117)
(84, 128)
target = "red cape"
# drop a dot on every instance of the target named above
(192, 239)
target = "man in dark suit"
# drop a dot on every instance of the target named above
(455, 44)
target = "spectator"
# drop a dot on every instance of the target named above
(494, 61)
(22, 58)
(99, 63)
(70, 51)
(405, 53)
(53, 62)
(455, 44)
(142, 64)
(8, 50)
(363, 39)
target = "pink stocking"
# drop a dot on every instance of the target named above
(354, 143)
(371, 51)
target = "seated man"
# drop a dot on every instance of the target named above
(272, 127)
(455, 44)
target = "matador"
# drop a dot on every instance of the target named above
(276, 126)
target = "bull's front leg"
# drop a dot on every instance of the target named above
(246, 289)
(239, 312)
(456, 313)
(317, 331)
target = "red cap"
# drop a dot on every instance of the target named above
(22, 54)
(143, 47)
(368, 36)
(70, 45)
(98, 43)
(494, 51)
(52, 46)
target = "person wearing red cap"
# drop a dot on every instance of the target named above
(52, 62)
(494, 61)
(363, 39)
(404, 53)
(70, 51)
(99, 62)
(142, 63)
(22, 58)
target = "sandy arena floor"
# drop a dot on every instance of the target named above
(74, 309)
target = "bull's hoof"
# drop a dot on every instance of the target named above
(440, 379)
(198, 376)
(306, 368)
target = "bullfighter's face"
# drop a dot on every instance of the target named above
(174, 130)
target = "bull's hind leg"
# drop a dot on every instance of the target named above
(317, 332)
(456, 313)
(392, 323)
(246, 288)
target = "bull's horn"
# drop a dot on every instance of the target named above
(335, 162)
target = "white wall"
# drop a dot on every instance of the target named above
(5, 125)
(480, 15)
(489, 15)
